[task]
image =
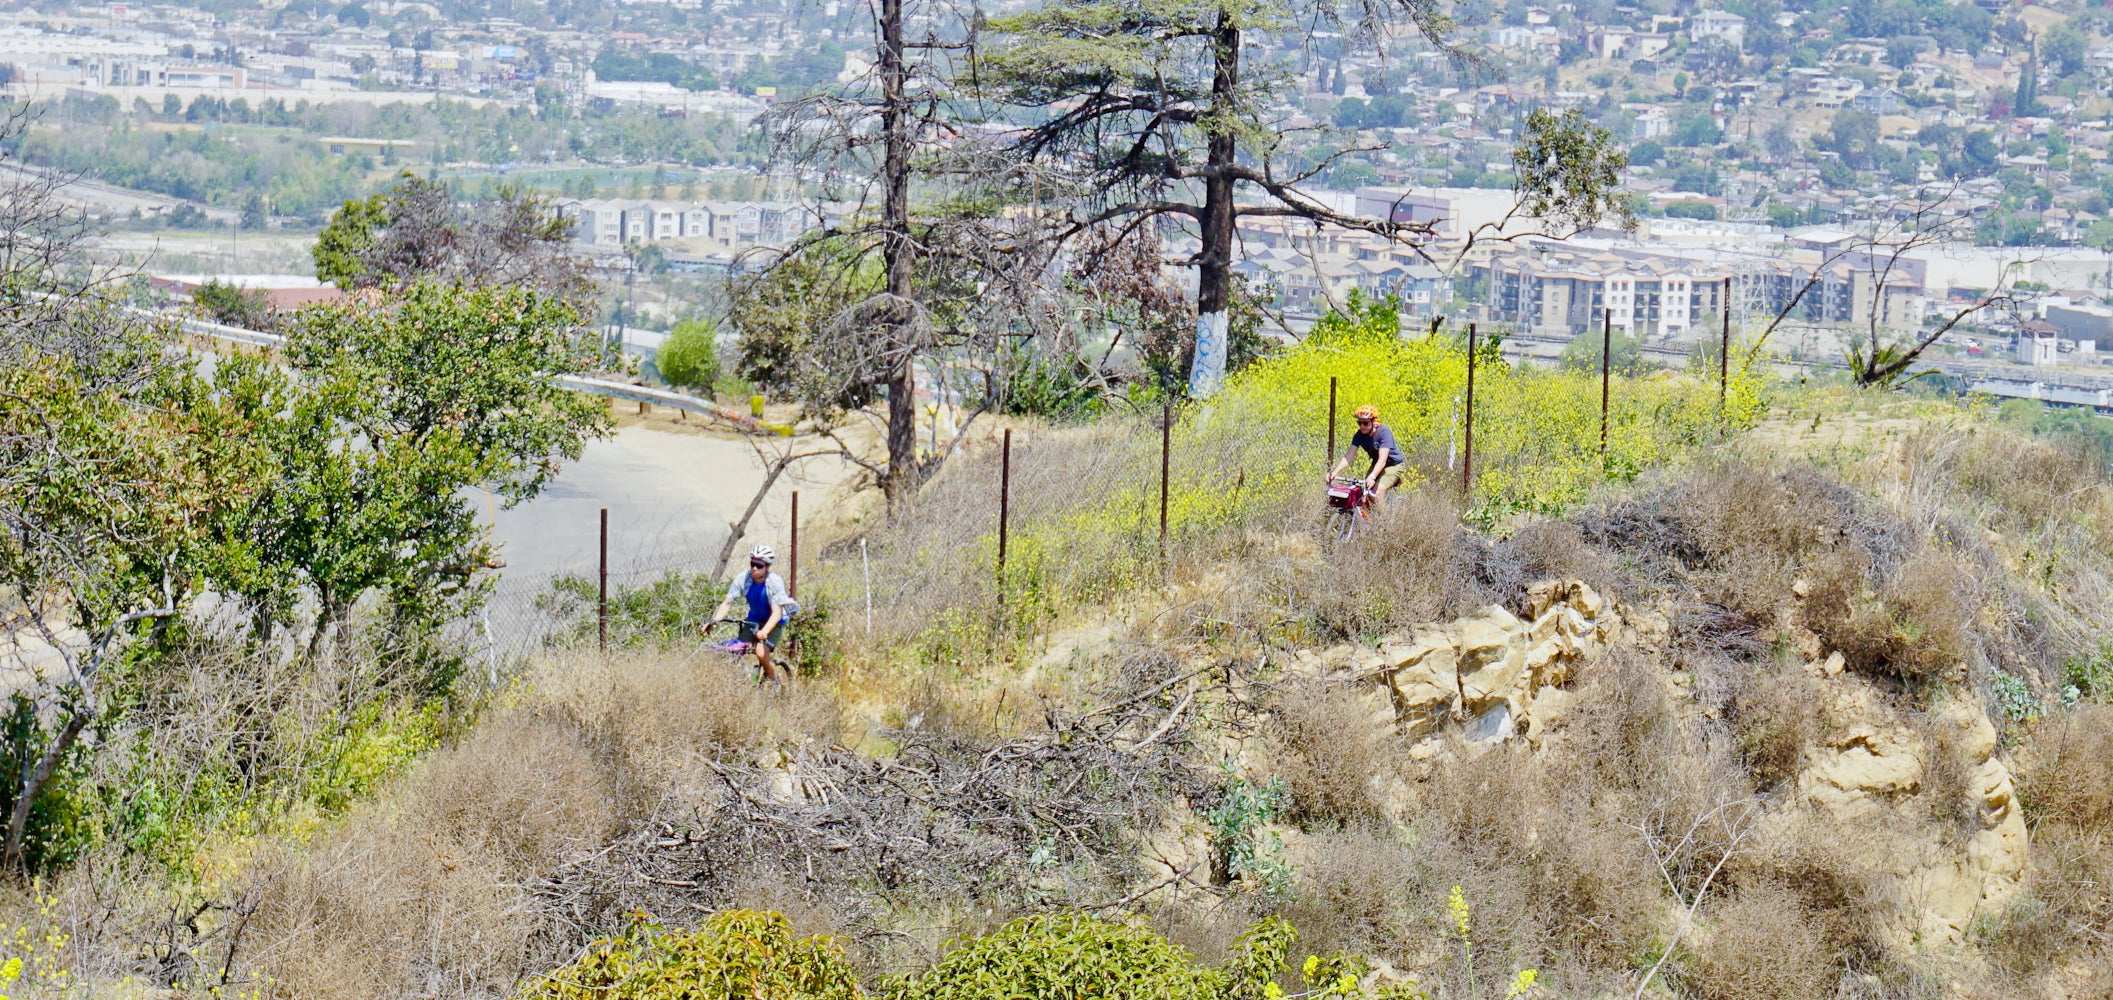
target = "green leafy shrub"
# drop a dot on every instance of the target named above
(664, 613)
(690, 357)
(2091, 675)
(1242, 848)
(1061, 388)
(736, 955)
(1067, 955)
(233, 305)
(1691, 210)
(1076, 955)
(2019, 705)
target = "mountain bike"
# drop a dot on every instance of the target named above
(740, 646)
(1349, 508)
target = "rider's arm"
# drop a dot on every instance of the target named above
(726, 605)
(1349, 455)
(780, 600)
(1379, 465)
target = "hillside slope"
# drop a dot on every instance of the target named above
(1817, 710)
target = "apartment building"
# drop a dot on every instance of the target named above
(1669, 294)
(699, 226)
(1566, 292)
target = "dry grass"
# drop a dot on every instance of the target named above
(2023, 482)
(1357, 890)
(1334, 741)
(658, 716)
(430, 891)
(2066, 784)
(1776, 713)
(1550, 846)
(1764, 949)
(1843, 881)
(438, 889)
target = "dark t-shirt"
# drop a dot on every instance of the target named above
(1381, 436)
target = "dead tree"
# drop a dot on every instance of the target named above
(940, 287)
(1878, 256)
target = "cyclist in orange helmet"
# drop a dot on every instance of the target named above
(1376, 440)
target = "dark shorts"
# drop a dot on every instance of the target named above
(777, 635)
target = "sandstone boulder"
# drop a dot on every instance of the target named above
(1491, 659)
(1877, 759)
(1424, 682)
(1867, 767)
(1462, 672)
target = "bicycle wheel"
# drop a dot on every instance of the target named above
(1344, 525)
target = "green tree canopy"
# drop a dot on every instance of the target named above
(416, 230)
(689, 358)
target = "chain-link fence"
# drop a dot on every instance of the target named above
(661, 571)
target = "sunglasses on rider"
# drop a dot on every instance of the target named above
(758, 564)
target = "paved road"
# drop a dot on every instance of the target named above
(670, 494)
(98, 196)
(666, 496)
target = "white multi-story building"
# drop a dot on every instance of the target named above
(702, 225)
(1718, 24)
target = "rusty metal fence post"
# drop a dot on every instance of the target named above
(1004, 508)
(1166, 446)
(1724, 353)
(601, 603)
(1331, 421)
(1606, 376)
(1467, 451)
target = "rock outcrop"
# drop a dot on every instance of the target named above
(1487, 674)
(1918, 801)
(1882, 768)
(1947, 832)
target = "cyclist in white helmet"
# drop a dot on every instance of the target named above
(770, 607)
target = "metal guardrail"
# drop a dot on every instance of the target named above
(221, 331)
(577, 383)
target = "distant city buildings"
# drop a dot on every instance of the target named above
(1720, 24)
(696, 226)
(1672, 293)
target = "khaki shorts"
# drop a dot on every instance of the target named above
(777, 634)
(1395, 475)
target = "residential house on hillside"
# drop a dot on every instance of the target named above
(1721, 24)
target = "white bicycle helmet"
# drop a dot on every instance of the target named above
(763, 554)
